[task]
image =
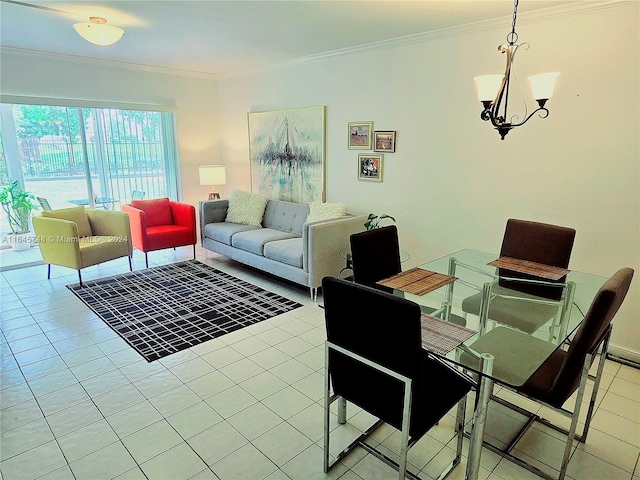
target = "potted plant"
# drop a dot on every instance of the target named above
(373, 221)
(18, 205)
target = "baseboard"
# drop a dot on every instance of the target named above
(35, 263)
(624, 355)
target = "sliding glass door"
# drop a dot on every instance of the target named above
(97, 157)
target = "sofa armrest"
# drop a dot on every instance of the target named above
(58, 241)
(322, 242)
(212, 211)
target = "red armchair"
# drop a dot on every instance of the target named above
(161, 223)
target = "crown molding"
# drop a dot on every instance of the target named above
(105, 63)
(542, 15)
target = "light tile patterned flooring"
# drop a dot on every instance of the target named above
(77, 402)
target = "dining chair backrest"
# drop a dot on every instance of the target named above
(375, 254)
(589, 335)
(536, 242)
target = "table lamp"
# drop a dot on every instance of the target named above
(213, 175)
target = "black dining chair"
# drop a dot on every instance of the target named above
(566, 370)
(375, 255)
(536, 242)
(375, 360)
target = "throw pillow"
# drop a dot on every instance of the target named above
(246, 208)
(319, 211)
(157, 211)
(76, 215)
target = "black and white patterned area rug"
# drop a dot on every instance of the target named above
(162, 310)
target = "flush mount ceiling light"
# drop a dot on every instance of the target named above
(98, 32)
(493, 90)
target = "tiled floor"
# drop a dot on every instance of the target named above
(77, 402)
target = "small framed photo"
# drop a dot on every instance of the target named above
(359, 137)
(384, 141)
(370, 167)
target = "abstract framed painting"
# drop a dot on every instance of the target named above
(287, 154)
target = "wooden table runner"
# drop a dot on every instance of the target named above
(531, 268)
(441, 337)
(417, 281)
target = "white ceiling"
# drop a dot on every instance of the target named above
(219, 37)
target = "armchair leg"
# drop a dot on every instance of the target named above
(48, 271)
(146, 260)
(194, 251)
(80, 277)
(130, 266)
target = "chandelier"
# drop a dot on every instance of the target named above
(493, 90)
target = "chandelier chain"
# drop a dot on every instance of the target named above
(512, 37)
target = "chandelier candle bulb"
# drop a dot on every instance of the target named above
(488, 86)
(542, 85)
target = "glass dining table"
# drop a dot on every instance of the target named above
(456, 337)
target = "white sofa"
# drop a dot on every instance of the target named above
(285, 245)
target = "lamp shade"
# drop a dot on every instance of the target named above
(542, 85)
(212, 175)
(488, 86)
(98, 32)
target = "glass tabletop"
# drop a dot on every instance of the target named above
(517, 354)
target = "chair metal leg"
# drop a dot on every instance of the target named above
(48, 271)
(342, 411)
(460, 421)
(574, 418)
(596, 385)
(146, 260)
(485, 387)
(327, 405)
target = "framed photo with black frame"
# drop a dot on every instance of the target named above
(384, 141)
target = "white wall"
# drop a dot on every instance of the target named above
(452, 182)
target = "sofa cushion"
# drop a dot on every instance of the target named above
(287, 251)
(319, 211)
(285, 216)
(246, 208)
(77, 215)
(223, 231)
(157, 211)
(254, 240)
